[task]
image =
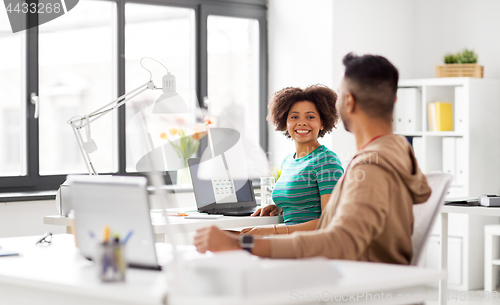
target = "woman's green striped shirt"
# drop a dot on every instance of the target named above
(303, 181)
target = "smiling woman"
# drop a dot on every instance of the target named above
(309, 175)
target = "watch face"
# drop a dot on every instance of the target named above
(247, 239)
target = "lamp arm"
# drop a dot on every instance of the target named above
(79, 122)
(126, 97)
(97, 115)
(114, 104)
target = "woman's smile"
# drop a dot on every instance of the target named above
(302, 132)
(304, 123)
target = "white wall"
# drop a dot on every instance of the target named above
(382, 27)
(449, 26)
(413, 34)
(416, 34)
(300, 51)
(26, 218)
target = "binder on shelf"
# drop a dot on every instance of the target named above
(431, 109)
(408, 111)
(461, 158)
(413, 110)
(460, 113)
(398, 118)
(440, 116)
(449, 157)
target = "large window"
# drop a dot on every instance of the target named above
(233, 69)
(12, 106)
(91, 55)
(76, 77)
(165, 34)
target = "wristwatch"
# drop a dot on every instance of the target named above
(246, 242)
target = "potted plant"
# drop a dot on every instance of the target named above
(462, 64)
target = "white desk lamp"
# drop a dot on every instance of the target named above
(168, 102)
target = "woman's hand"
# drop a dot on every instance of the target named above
(246, 230)
(258, 231)
(270, 210)
(214, 240)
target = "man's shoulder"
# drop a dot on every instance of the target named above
(384, 152)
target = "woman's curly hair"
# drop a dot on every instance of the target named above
(321, 96)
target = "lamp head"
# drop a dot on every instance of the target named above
(169, 101)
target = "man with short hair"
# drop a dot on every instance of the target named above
(369, 216)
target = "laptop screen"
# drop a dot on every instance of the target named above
(210, 192)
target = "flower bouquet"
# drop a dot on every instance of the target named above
(186, 142)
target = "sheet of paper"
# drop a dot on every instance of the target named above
(6, 252)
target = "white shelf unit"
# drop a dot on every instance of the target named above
(471, 152)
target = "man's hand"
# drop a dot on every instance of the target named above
(258, 231)
(270, 210)
(214, 240)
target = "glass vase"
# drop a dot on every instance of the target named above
(183, 176)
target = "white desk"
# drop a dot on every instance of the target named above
(57, 274)
(445, 210)
(186, 226)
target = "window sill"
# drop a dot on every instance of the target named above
(51, 195)
(27, 196)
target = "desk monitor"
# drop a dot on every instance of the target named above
(238, 200)
(121, 203)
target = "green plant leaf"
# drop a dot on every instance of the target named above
(450, 59)
(467, 57)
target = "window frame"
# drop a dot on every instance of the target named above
(240, 12)
(253, 9)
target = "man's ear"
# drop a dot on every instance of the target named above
(350, 103)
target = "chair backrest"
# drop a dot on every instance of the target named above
(425, 214)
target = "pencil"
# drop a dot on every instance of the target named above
(127, 237)
(106, 234)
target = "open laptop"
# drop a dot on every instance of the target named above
(121, 203)
(221, 195)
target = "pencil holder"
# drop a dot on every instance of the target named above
(111, 262)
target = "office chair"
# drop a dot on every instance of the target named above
(425, 214)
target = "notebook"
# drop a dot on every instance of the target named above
(222, 195)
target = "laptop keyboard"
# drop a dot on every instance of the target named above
(233, 211)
